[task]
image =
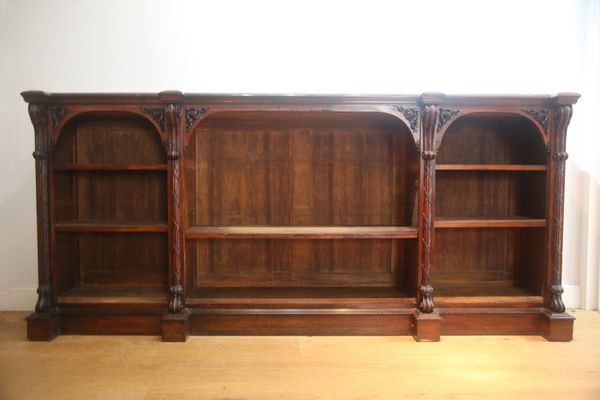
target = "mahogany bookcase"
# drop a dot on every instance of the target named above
(170, 214)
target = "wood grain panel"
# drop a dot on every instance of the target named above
(490, 194)
(259, 263)
(476, 258)
(123, 259)
(306, 172)
(115, 195)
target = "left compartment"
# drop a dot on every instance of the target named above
(110, 211)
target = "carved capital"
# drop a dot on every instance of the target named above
(192, 114)
(540, 115)
(38, 114)
(426, 295)
(158, 114)
(44, 298)
(176, 300)
(555, 302)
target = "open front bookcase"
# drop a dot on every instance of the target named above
(222, 214)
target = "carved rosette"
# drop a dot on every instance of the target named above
(158, 114)
(172, 115)
(412, 117)
(562, 117)
(192, 114)
(428, 155)
(39, 116)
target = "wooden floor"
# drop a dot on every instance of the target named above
(298, 367)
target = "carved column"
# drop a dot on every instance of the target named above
(39, 116)
(558, 325)
(562, 116)
(427, 322)
(428, 154)
(174, 182)
(175, 323)
(43, 324)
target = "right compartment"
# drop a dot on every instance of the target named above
(490, 209)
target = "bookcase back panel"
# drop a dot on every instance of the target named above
(112, 259)
(256, 263)
(492, 139)
(266, 169)
(490, 194)
(513, 257)
(115, 195)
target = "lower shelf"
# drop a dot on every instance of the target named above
(284, 296)
(485, 294)
(113, 295)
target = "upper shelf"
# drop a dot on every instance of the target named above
(490, 167)
(490, 222)
(301, 232)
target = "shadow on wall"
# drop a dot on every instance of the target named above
(18, 249)
(581, 239)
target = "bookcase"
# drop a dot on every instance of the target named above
(174, 213)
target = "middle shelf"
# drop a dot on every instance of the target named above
(301, 232)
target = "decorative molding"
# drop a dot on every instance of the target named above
(426, 305)
(176, 301)
(44, 300)
(192, 114)
(58, 113)
(158, 114)
(555, 303)
(445, 115)
(411, 114)
(540, 115)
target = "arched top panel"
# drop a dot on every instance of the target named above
(300, 168)
(492, 138)
(108, 138)
(389, 119)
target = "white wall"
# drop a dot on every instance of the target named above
(296, 47)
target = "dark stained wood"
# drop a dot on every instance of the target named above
(300, 323)
(301, 232)
(42, 327)
(426, 326)
(176, 213)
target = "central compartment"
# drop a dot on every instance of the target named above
(315, 200)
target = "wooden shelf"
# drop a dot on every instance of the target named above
(485, 294)
(490, 222)
(110, 167)
(338, 296)
(489, 167)
(113, 295)
(111, 226)
(301, 232)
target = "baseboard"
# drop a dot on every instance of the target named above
(571, 296)
(18, 299)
